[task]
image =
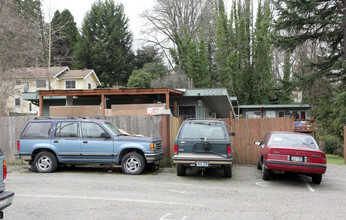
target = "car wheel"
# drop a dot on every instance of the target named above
(265, 173)
(259, 167)
(181, 169)
(133, 163)
(45, 162)
(317, 178)
(227, 171)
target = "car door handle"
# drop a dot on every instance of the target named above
(85, 142)
(56, 141)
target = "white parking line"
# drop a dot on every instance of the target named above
(307, 184)
(262, 184)
(109, 199)
(168, 214)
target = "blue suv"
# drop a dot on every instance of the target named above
(46, 143)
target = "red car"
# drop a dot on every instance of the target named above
(291, 152)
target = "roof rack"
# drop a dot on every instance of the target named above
(214, 119)
(42, 118)
(46, 117)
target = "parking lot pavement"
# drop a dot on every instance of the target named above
(85, 193)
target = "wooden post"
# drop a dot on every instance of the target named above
(103, 104)
(165, 136)
(175, 112)
(167, 100)
(40, 103)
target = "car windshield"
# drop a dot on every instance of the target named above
(297, 140)
(111, 128)
(209, 130)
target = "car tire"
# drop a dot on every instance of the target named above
(265, 173)
(133, 163)
(259, 167)
(227, 171)
(45, 162)
(181, 169)
(316, 178)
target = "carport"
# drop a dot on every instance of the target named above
(101, 96)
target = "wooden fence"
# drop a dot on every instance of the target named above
(247, 131)
(166, 127)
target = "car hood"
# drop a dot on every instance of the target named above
(138, 139)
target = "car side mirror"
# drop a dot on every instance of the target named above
(231, 134)
(105, 135)
(258, 143)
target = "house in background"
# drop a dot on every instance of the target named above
(296, 111)
(303, 122)
(29, 80)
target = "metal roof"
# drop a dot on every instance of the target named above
(275, 106)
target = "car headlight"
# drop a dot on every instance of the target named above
(152, 147)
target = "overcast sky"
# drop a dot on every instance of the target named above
(78, 8)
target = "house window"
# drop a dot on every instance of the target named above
(281, 114)
(17, 102)
(89, 85)
(18, 82)
(40, 83)
(70, 84)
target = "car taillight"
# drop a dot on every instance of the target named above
(18, 145)
(317, 160)
(229, 151)
(175, 149)
(5, 170)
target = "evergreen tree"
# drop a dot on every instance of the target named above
(197, 65)
(105, 44)
(147, 54)
(321, 23)
(262, 58)
(139, 79)
(223, 47)
(286, 88)
(64, 38)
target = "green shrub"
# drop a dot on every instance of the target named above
(332, 145)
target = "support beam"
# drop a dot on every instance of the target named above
(103, 104)
(167, 100)
(40, 103)
(175, 111)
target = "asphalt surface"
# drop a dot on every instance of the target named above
(100, 193)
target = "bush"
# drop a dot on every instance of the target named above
(332, 145)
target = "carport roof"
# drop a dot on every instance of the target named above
(217, 97)
(284, 106)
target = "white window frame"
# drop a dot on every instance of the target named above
(89, 86)
(75, 84)
(45, 83)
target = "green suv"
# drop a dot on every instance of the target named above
(203, 144)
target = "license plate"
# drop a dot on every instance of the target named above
(202, 163)
(297, 159)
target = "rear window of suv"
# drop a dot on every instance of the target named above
(202, 130)
(35, 130)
